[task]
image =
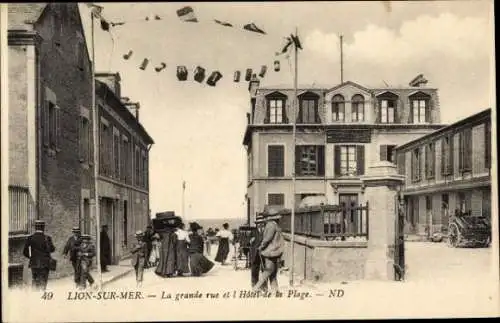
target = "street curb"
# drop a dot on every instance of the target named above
(114, 278)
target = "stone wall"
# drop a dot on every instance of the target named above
(326, 261)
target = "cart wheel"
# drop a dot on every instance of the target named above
(454, 236)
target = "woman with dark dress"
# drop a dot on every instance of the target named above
(199, 263)
(225, 237)
(167, 263)
(182, 250)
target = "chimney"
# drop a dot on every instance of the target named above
(112, 80)
(253, 85)
(418, 81)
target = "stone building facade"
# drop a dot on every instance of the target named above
(446, 171)
(50, 92)
(123, 182)
(341, 132)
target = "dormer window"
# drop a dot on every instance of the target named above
(308, 108)
(358, 108)
(276, 111)
(387, 103)
(419, 108)
(338, 108)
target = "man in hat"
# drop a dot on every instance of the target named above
(38, 248)
(70, 247)
(148, 239)
(84, 254)
(271, 250)
(105, 248)
(256, 263)
(140, 252)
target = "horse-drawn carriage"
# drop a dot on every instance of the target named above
(465, 230)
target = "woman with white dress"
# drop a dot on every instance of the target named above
(225, 238)
(182, 250)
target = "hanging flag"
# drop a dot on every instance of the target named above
(128, 55)
(263, 71)
(199, 74)
(248, 75)
(187, 14)
(276, 66)
(214, 78)
(182, 73)
(237, 75)
(97, 13)
(223, 23)
(157, 17)
(144, 64)
(296, 41)
(161, 67)
(254, 28)
(117, 23)
(285, 48)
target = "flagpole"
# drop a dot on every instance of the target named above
(294, 118)
(183, 201)
(96, 159)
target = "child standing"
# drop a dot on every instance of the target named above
(85, 251)
(139, 260)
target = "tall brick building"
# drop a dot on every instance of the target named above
(123, 182)
(341, 131)
(50, 97)
(446, 171)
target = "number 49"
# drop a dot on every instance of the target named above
(47, 295)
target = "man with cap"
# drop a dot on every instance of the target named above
(38, 248)
(84, 254)
(105, 248)
(140, 252)
(256, 263)
(70, 247)
(148, 239)
(271, 250)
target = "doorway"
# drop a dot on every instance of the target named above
(107, 210)
(348, 203)
(86, 216)
(125, 225)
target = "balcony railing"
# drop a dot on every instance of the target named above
(21, 210)
(328, 222)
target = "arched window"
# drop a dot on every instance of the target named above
(338, 108)
(358, 108)
(419, 108)
(276, 108)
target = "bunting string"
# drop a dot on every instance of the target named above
(187, 15)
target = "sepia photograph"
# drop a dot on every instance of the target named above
(236, 161)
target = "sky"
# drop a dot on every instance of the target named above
(198, 129)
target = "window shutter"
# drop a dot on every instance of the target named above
(451, 152)
(360, 158)
(401, 162)
(397, 108)
(427, 160)
(383, 152)
(299, 116)
(46, 122)
(443, 156)
(316, 112)
(460, 151)
(487, 143)
(421, 169)
(336, 161)
(377, 111)
(410, 116)
(297, 160)
(427, 111)
(321, 160)
(285, 117)
(469, 149)
(58, 127)
(268, 112)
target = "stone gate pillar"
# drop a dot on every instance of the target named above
(381, 187)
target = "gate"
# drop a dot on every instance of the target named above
(399, 243)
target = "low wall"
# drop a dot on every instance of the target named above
(327, 261)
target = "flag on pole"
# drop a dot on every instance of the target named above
(187, 14)
(223, 23)
(286, 47)
(296, 41)
(254, 28)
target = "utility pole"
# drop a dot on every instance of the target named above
(95, 118)
(294, 119)
(341, 59)
(183, 200)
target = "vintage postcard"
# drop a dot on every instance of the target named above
(213, 161)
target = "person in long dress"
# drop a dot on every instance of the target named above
(225, 238)
(182, 250)
(199, 263)
(167, 263)
(105, 245)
